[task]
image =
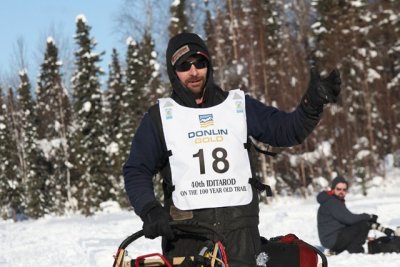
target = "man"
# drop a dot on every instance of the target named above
(198, 140)
(338, 228)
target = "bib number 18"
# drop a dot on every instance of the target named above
(220, 164)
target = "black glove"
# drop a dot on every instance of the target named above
(373, 218)
(388, 232)
(156, 221)
(321, 91)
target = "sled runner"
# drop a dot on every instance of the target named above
(211, 255)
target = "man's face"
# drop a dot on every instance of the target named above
(340, 190)
(193, 74)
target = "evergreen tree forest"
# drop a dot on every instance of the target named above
(63, 145)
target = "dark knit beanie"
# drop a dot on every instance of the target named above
(180, 47)
(184, 45)
(338, 179)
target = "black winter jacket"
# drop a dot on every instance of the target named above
(332, 216)
(148, 156)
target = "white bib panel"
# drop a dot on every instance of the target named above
(210, 165)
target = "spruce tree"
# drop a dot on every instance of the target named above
(114, 111)
(359, 62)
(16, 193)
(150, 86)
(179, 22)
(142, 86)
(133, 98)
(53, 110)
(11, 194)
(114, 96)
(149, 82)
(90, 138)
(388, 65)
(32, 176)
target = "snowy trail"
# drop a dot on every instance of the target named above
(92, 241)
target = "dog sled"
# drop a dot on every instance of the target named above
(211, 255)
(287, 250)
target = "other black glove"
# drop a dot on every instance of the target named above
(156, 221)
(373, 218)
(321, 91)
(388, 232)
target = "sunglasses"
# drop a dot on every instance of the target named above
(200, 63)
(341, 189)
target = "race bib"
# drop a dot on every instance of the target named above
(209, 163)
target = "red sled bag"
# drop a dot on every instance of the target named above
(290, 251)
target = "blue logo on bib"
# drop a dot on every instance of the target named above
(206, 120)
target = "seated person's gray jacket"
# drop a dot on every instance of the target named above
(333, 215)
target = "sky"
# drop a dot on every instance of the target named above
(76, 240)
(32, 19)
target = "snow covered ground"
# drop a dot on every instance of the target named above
(80, 241)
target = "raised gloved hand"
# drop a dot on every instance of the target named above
(156, 221)
(388, 232)
(321, 91)
(373, 218)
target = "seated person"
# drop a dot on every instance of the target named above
(338, 228)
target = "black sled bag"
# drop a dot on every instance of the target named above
(384, 244)
(290, 251)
